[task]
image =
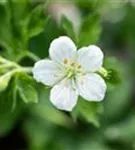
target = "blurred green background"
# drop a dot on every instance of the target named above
(27, 28)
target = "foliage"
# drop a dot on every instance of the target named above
(26, 30)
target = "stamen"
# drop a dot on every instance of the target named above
(65, 61)
(73, 64)
(83, 73)
(79, 66)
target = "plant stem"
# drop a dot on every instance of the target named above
(17, 68)
(32, 56)
(27, 69)
(28, 54)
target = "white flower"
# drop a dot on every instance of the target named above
(71, 73)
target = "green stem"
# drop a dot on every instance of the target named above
(32, 56)
(28, 54)
(17, 67)
(5, 66)
(27, 69)
(21, 69)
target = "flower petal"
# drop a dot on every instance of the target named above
(47, 72)
(91, 87)
(62, 49)
(64, 96)
(90, 58)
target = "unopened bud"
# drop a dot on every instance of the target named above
(103, 72)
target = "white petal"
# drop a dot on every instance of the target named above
(91, 87)
(62, 48)
(90, 58)
(64, 96)
(47, 72)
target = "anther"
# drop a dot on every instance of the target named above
(73, 64)
(65, 61)
(79, 66)
(84, 74)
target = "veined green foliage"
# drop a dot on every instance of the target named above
(25, 88)
(89, 111)
(27, 115)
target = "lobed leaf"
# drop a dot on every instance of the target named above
(89, 110)
(26, 90)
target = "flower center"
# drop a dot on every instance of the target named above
(72, 68)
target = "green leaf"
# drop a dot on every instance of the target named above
(47, 112)
(89, 110)
(8, 118)
(4, 81)
(13, 93)
(90, 30)
(68, 27)
(18, 12)
(117, 96)
(35, 22)
(5, 28)
(26, 90)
